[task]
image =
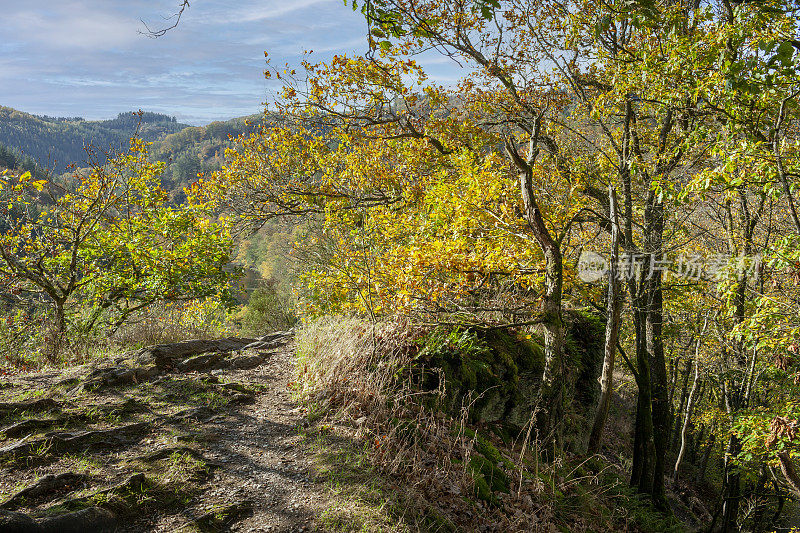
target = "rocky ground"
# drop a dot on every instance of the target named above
(200, 436)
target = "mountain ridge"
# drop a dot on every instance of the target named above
(59, 143)
(63, 143)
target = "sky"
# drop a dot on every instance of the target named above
(89, 58)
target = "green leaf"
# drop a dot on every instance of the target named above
(784, 53)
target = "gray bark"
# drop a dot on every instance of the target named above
(690, 402)
(613, 310)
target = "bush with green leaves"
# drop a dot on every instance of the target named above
(266, 311)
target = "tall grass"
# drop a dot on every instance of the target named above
(362, 375)
(434, 471)
(173, 322)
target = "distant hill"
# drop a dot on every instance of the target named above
(55, 143)
(198, 149)
(12, 159)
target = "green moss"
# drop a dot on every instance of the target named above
(480, 368)
(484, 467)
(497, 374)
(481, 487)
(526, 354)
(486, 448)
(472, 371)
(487, 478)
(585, 336)
(584, 353)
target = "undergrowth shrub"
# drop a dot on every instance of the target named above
(29, 339)
(22, 337)
(173, 322)
(266, 311)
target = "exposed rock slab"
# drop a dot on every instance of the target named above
(168, 452)
(89, 520)
(198, 355)
(120, 376)
(11, 522)
(43, 486)
(134, 482)
(241, 398)
(220, 519)
(245, 361)
(165, 356)
(61, 442)
(193, 413)
(43, 404)
(27, 426)
(202, 362)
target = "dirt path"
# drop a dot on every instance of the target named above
(257, 448)
(216, 450)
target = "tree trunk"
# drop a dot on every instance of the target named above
(701, 473)
(673, 369)
(789, 472)
(676, 434)
(643, 446)
(690, 402)
(762, 504)
(552, 390)
(662, 419)
(737, 395)
(613, 310)
(731, 493)
(653, 410)
(59, 332)
(781, 503)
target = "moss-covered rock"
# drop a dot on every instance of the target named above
(471, 373)
(488, 478)
(584, 356)
(584, 352)
(486, 466)
(497, 373)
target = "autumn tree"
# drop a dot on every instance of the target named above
(110, 243)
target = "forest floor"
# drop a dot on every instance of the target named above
(211, 442)
(204, 435)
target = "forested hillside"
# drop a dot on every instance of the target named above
(195, 150)
(11, 158)
(57, 142)
(35, 143)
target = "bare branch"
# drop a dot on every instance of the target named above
(154, 34)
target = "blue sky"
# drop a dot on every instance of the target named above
(87, 58)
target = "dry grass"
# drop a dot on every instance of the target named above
(29, 341)
(413, 464)
(164, 323)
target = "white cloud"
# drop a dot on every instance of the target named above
(73, 25)
(86, 57)
(83, 82)
(264, 10)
